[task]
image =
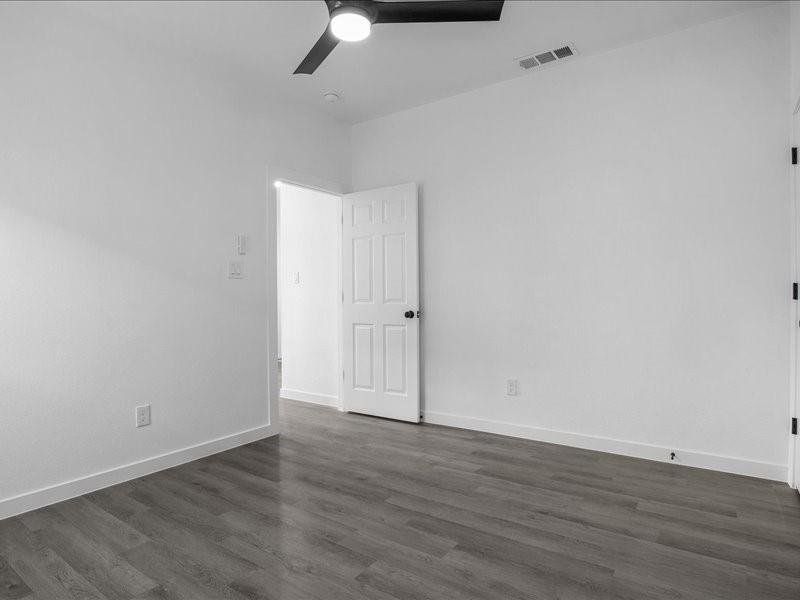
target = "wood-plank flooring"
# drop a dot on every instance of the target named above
(349, 507)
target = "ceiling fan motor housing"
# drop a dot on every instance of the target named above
(364, 7)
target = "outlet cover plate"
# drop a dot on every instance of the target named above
(143, 415)
(236, 269)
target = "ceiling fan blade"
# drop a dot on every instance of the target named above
(324, 46)
(438, 11)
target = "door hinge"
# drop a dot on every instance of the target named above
(794, 425)
(794, 291)
(794, 155)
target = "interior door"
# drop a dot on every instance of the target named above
(380, 304)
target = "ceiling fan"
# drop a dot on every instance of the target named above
(351, 20)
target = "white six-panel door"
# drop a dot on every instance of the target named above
(380, 284)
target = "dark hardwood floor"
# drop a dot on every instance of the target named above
(349, 507)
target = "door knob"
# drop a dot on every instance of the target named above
(409, 314)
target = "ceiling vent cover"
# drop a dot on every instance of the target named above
(541, 59)
(545, 57)
(563, 52)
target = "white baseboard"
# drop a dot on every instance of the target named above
(323, 399)
(690, 458)
(28, 501)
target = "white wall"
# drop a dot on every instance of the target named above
(125, 175)
(614, 233)
(309, 246)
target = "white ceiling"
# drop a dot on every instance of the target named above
(398, 66)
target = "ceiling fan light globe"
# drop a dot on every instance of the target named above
(350, 25)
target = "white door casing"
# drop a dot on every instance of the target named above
(794, 456)
(380, 285)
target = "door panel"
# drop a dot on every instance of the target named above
(364, 356)
(380, 279)
(363, 270)
(394, 268)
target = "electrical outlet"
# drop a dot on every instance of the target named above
(512, 387)
(143, 415)
(235, 270)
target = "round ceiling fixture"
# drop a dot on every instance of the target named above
(331, 97)
(350, 24)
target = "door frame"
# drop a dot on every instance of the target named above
(301, 179)
(793, 475)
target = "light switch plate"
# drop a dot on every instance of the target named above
(241, 244)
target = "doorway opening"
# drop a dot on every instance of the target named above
(309, 294)
(353, 345)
